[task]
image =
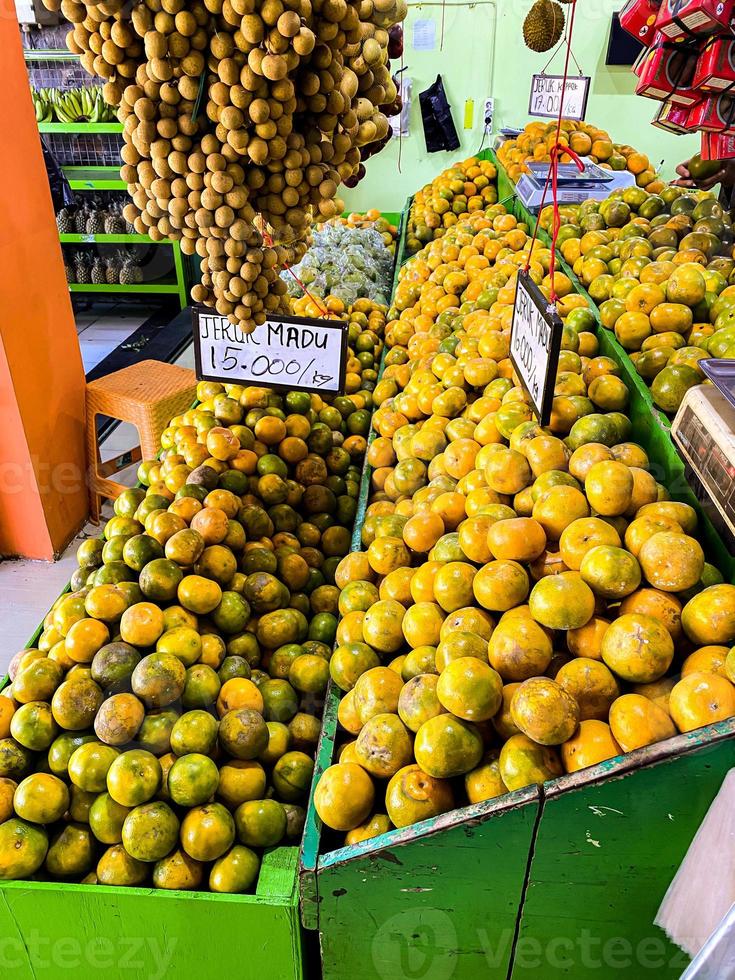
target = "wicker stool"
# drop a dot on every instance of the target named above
(147, 395)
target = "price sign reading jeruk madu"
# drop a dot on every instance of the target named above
(548, 92)
(535, 342)
(285, 352)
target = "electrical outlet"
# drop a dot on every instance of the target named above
(488, 113)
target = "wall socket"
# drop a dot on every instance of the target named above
(488, 113)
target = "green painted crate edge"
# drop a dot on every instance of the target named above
(596, 825)
(192, 928)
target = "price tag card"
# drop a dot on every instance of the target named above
(547, 92)
(535, 342)
(285, 352)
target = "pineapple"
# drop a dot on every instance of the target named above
(80, 220)
(65, 222)
(68, 270)
(114, 223)
(96, 222)
(112, 270)
(126, 271)
(81, 268)
(98, 273)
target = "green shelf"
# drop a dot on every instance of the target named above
(140, 287)
(80, 127)
(49, 54)
(94, 178)
(111, 240)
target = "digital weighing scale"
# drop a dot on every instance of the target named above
(704, 431)
(573, 185)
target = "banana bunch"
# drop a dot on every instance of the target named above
(72, 105)
(42, 105)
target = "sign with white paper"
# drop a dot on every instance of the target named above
(535, 342)
(286, 352)
(547, 92)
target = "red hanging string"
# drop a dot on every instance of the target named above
(269, 244)
(556, 151)
(553, 174)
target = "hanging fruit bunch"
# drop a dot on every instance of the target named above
(240, 120)
(543, 25)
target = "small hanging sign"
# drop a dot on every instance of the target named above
(535, 342)
(547, 92)
(286, 352)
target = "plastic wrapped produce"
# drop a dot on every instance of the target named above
(344, 261)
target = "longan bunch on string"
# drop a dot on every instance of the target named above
(241, 118)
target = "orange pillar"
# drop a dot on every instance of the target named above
(43, 499)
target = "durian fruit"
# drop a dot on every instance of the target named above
(543, 25)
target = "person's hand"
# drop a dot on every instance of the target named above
(725, 175)
(685, 178)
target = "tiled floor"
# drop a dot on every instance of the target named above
(104, 327)
(28, 588)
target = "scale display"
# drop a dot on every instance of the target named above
(704, 430)
(568, 173)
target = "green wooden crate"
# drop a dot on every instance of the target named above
(437, 899)
(609, 841)
(50, 930)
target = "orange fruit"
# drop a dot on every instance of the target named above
(453, 585)
(661, 605)
(344, 796)
(582, 535)
(519, 648)
(384, 745)
(544, 711)
(421, 625)
(559, 507)
(672, 562)
(446, 746)
(591, 684)
(470, 689)
(587, 640)
(592, 743)
(609, 487)
(500, 585)
(709, 617)
(611, 572)
(422, 531)
(517, 539)
(636, 720)
(562, 601)
(523, 762)
(376, 692)
(413, 795)
(701, 699)
(637, 648)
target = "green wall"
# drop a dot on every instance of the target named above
(482, 54)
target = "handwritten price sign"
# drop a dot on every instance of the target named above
(535, 342)
(548, 92)
(285, 352)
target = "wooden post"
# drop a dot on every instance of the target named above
(43, 497)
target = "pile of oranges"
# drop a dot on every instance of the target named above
(528, 600)
(162, 732)
(366, 326)
(460, 189)
(537, 139)
(660, 268)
